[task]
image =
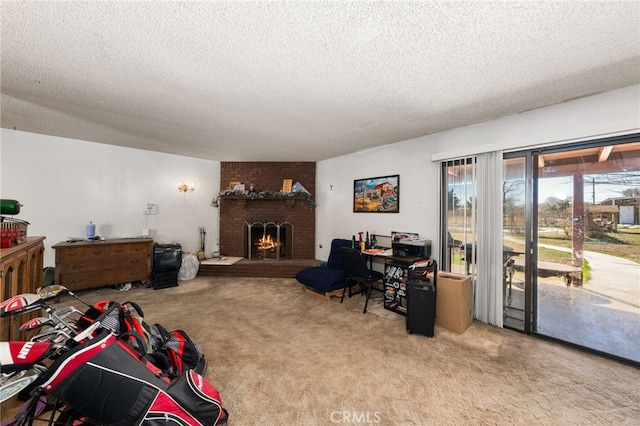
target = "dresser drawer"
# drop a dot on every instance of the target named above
(80, 280)
(74, 266)
(125, 249)
(98, 278)
(139, 261)
(84, 253)
(135, 273)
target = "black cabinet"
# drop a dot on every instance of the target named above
(395, 286)
(167, 261)
(396, 275)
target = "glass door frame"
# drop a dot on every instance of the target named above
(531, 218)
(530, 239)
(531, 297)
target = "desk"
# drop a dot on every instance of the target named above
(395, 279)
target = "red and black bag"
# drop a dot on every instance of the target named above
(105, 380)
(125, 319)
(173, 352)
(182, 352)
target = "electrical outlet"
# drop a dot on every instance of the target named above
(151, 208)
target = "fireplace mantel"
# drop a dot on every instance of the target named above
(289, 200)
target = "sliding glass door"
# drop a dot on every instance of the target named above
(458, 215)
(571, 241)
(516, 230)
(587, 275)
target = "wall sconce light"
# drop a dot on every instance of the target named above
(183, 187)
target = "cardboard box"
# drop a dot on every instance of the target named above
(454, 301)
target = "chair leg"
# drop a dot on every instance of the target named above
(366, 302)
(344, 290)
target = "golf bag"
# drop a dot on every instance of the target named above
(173, 352)
(108, 382)
(181, 352)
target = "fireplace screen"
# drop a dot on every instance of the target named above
(269, 240)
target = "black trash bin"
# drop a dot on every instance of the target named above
(421, 298)
(421, 307)
(167, 260)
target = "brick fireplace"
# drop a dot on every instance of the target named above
(236, 211)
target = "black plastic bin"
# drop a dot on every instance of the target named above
(167, 260)
(421, 307)
(421, 297)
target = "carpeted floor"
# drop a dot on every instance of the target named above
(281, 357)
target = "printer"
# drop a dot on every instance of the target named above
(412, 248)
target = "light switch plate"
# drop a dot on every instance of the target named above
(151, 208)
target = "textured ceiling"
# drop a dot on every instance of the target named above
(300, 81)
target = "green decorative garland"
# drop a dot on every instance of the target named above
(265, 194)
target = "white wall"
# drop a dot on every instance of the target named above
(419, 191)
(64, 183)
(607, 114)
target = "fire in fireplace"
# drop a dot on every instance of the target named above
(268, 240)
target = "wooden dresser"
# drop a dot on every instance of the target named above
(21, 272)
(86, 264)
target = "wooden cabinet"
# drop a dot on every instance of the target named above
(86, 264)
(21, 272)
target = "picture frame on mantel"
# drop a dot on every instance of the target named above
(287, 184)
(232, 185)
(239, 189)
(377, 195)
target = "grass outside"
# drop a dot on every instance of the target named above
(546, 254)
(625, 244)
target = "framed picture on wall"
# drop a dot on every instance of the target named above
(377, 195)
